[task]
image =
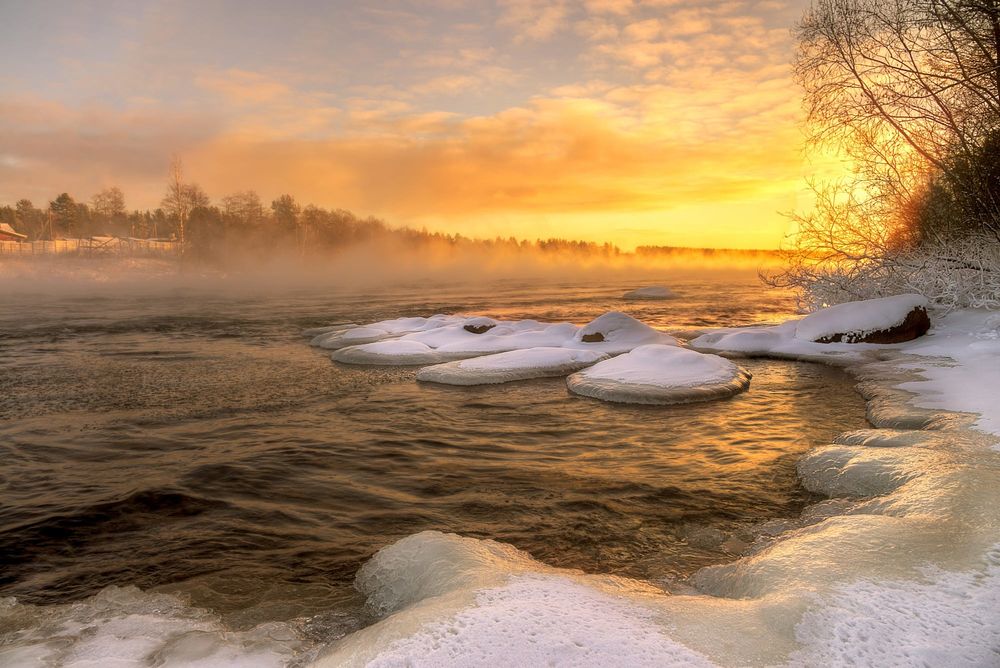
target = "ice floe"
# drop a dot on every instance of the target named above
(340, 336)
(447, 338)
(652, 292)
(511, 366)
(658, 374)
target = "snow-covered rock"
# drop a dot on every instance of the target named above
(615, 333)
(511, 366)
(660, 374)
(887, 320)
(653, 292)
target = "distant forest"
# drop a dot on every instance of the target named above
(240, 223)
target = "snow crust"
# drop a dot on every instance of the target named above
(652, 292)
(658, 374)
(862, 317)
(511, 366)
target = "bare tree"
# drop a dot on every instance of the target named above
(181, 197)
(109, 203)
(910, 91)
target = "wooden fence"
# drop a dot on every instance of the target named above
(96, 247)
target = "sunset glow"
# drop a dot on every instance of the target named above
(640, 123)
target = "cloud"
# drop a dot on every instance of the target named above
(533, 19)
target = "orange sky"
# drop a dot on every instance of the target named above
(657, 122)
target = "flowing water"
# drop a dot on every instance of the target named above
(185, 442)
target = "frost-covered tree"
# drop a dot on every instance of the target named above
(910, 91)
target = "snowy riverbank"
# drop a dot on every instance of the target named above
(901, 566)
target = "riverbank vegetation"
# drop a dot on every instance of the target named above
(909, 92)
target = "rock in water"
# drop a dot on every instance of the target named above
(916, 323)
(595, 337)
(886, 320)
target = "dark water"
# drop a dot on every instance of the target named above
(196, 443)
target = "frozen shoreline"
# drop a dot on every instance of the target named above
(909, 576)
(899, 567)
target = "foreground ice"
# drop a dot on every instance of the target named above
(447, 338)
(125, 628)
(652, 292)
(657, 374)
(511, 366)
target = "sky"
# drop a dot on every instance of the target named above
(662, 122)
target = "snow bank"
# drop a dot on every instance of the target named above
(658, 374)
(652, 292)
(511, 366)
(858, 318)
(124, 627)
(899, 568)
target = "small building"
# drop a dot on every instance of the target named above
(7, 233)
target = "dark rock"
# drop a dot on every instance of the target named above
(478, 329)
(596, 337)
(915, 324)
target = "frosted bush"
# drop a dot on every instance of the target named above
(959, 273)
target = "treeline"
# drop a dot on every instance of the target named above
(240, 223)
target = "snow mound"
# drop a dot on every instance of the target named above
(448, 338)
(858, 318)
(511, 366)
(660, 374)
(841, 470)
(652, 292)
(615, 333)
(341, 337)
(454, 601)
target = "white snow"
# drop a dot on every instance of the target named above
(340, 337)
(466, 602)
(658, 374)
(511, 366)
(621, 333)
(446, 338)
(862, 317)
(651, 292)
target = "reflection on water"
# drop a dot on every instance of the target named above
(198, 444)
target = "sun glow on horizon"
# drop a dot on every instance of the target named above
(662, 122)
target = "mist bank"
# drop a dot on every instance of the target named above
(378, 263)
